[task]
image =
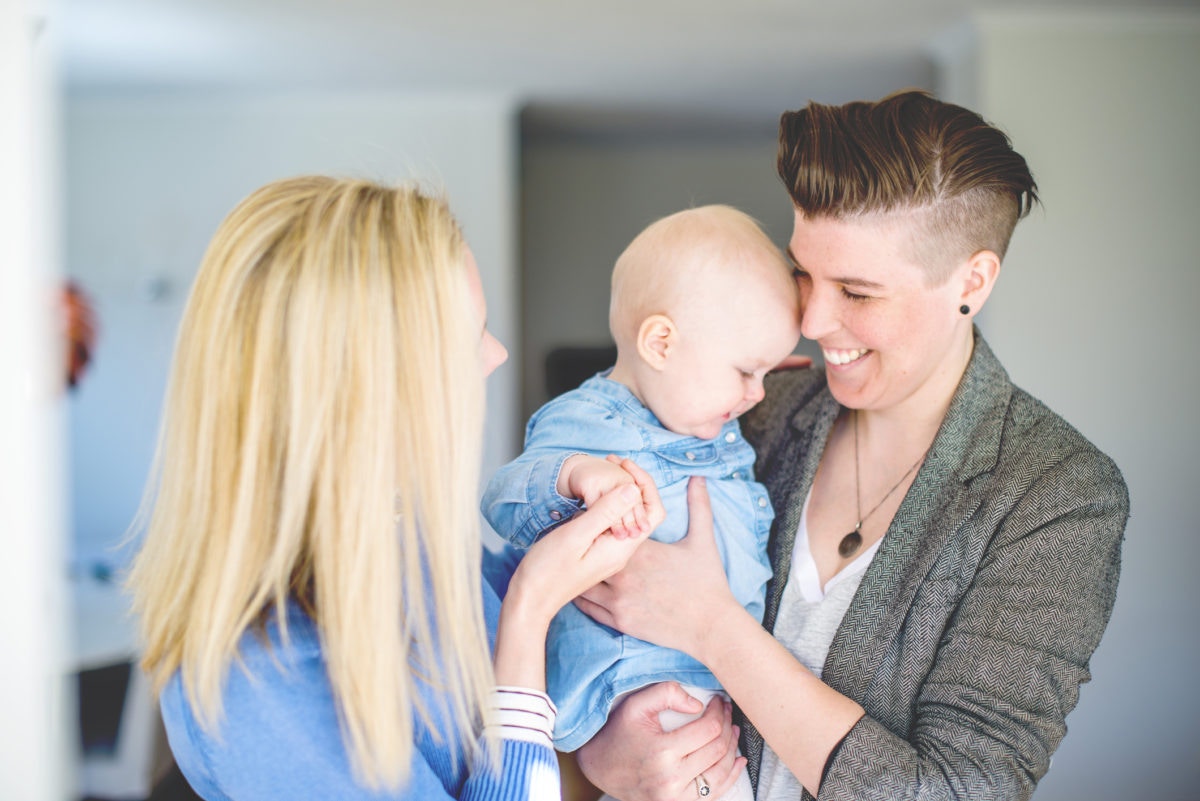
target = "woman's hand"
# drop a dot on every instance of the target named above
(587, 478)
(633, 759)
(668, 594)
(563, 564)
(676, 595)
(583, 551)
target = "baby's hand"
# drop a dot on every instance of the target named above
(588, 478)
(793, 362)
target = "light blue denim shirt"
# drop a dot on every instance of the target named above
(588, 664)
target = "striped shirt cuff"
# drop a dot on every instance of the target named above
(519, 713)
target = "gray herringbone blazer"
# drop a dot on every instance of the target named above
(972, 629)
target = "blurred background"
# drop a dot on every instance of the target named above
(128, 128)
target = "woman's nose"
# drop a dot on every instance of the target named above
(494, 353)
(817, 314)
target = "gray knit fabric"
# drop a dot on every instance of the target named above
(971, 631)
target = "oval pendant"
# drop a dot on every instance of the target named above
(850, 544)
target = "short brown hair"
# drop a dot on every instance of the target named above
(909, 153)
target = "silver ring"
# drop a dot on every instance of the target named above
(702, 788)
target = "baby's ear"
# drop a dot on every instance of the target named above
(656, 338)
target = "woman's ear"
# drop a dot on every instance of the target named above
(979, 276)
(655, 338)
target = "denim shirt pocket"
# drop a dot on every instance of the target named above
(682, 462)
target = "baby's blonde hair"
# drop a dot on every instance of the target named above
(321, 441)
(687, 255)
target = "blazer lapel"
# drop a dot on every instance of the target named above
(787, 471)
(788, 477)
(943, 495)
(948, 488)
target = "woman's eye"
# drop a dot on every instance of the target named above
(854, 295)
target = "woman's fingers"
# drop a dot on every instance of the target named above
(663, 696)
(739, 765)
(662, 576)
(632, 758)
(606, 604)
(581, 552)
(722, 771)
(709, 744)
(596, 611)
(700, 517)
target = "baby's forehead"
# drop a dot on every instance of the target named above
(750, 316)
(708, 256)
(709, 226)
(714, 253)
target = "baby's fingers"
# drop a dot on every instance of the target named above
(603, 515)
(651, 511)
(629, 525)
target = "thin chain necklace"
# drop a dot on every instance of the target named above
(853, 541)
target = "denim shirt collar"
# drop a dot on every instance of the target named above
(657, 435)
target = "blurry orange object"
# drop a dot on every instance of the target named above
(79, 321)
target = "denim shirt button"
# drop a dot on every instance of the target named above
(691, 456)
(557, 515)
(737, 474)
(762, 502)
(730, 437)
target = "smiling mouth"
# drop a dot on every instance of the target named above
(843, 357)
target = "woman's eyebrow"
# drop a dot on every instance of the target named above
(857, 282)
(847, 280)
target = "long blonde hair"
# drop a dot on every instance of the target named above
(321, 442)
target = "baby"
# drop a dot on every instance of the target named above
(703, 305)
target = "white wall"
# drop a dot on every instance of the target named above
(149, 179)
(35, 735)
(1095, 314)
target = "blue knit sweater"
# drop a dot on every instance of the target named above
(279, 738)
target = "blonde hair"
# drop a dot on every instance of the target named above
(321, 441)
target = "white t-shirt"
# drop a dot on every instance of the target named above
(809, 616)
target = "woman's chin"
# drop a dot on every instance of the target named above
(848, 393)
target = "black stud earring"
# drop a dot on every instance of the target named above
(964, 309)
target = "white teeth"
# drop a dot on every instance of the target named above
(843, 356)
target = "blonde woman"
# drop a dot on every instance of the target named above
(309, 587)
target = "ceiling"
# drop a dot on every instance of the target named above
(565, 59)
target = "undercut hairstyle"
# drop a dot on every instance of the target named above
(320, 444)
(909, 157)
